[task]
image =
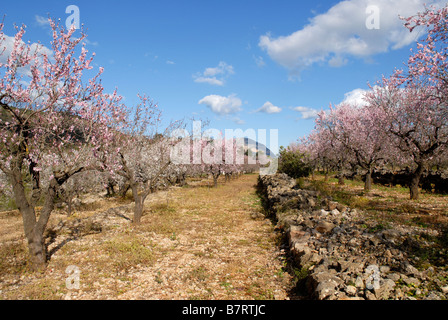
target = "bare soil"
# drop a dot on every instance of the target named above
(195, 242)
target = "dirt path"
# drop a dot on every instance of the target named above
(194, 243)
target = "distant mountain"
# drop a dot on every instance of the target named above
(258, 147)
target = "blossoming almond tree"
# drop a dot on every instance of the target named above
(360, 131)
(319, 150)
(221, 156)
(414, 120)
(51, 124)
(429, 64)
(213, 156)
(82, 183)
(328, 144)
(143, 156)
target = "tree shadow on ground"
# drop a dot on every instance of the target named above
(77, 229)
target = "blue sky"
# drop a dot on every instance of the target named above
(233, 62)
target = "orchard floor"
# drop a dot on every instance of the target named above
(387, 204)
(195, 242)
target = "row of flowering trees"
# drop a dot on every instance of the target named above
(403, 120)
(61, 133)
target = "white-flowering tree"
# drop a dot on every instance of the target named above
(53, 121)
(144, 154)
(82, 183)
(5, 187)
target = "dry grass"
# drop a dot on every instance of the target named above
(388, 203)
(194, 242)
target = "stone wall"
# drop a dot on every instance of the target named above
(343, 254)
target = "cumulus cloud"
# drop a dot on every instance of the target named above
(222, 69)
(355, 97)
(222, 105)
(306, 113)
(268, 107)
(341, 32)
(337, 61)
(216, 75)
(7, 45)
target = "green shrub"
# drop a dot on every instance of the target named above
(294, 163)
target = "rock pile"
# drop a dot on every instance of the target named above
(343, 254)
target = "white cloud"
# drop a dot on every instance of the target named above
(215, 76)
(222, 105)
(212, 81)
(337, 61)
(91, 43)
(7, 46)
(307, 113)
(342, 32)
(42, 21)
(355, 97)
(268, 107)
(259, 61)
(238, 121)
(170, 62)
(222, 68)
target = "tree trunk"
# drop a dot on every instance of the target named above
(415, 181)
(215, 181)
(138, 212)
(341, 181)
(138, 208)
(368, 182)
(69, 206)
(110, 190)
(37, 250)
(183, 181)
(34, 228)
(123, 190)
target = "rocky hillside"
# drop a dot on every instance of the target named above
(344, 254)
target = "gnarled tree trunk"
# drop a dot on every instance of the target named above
(138, 211)
(34, 227)
(139, 200)
(415, 181)
(368, 181)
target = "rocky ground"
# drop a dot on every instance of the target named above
(195, 242)
(343, 254)
(198, 242)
